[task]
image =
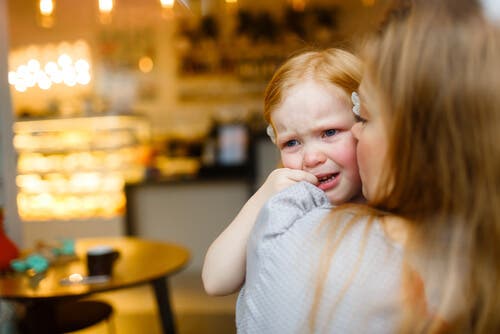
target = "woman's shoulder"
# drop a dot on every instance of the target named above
(283, 268)
(395, 229)
(357, 221)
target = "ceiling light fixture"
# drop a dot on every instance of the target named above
(167, 3)
(105, 9)
(46, 13)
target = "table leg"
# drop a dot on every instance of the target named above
(162, 295)
(39, 318)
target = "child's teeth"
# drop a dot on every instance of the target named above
(327, 178)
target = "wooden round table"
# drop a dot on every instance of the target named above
(141, 261)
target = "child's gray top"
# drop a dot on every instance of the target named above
(283, 257)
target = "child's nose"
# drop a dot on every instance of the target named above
(313, 156)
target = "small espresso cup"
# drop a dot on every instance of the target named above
(100, 260)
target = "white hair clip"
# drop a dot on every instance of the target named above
(270, 133)
(356, 105)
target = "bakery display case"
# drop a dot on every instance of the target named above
(77, 168)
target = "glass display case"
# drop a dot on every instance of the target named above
(76, 168)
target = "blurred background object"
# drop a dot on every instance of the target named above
(111, 93)
(144, 117)
(491, 10)
(9, 250)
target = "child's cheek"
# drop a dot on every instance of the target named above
(292, 161)
(344, 154)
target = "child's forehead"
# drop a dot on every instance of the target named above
(313, 105)
(314, 87)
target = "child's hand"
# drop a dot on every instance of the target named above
(224, 267)
(282, 178)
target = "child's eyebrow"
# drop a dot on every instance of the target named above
(286, 136)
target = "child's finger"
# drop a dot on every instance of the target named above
(300, 175)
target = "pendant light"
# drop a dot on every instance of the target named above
(105, 9)
(167, 8)
(46, 13)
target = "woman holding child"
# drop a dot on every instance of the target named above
(423, 256)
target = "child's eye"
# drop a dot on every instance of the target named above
(330, 132)
(291, 143)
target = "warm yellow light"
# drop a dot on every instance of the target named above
(69, 77)
(64, 60)
(83, 78)
(43, 81)
(81, 65)
(56, 77)
(298, 5)
(231, 1)
(46, 7)
(23, 70)
(63, 69)
(146, 64)
(50, 68)
(167, 3)
(368, 3)
(33, 65)
(105, 6)
(12, 78)
(20, 88)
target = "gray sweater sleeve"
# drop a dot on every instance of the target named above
(283, 255)
(280, 234)
(283, 210)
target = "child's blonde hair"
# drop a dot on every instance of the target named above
(330, 66)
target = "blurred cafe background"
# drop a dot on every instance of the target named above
(144, 117)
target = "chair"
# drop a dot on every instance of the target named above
(76, 315)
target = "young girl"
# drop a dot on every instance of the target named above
(307, 104)
(424, 257)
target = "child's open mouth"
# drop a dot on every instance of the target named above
(327, 181)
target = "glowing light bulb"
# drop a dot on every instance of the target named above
(50, 68)
(46, 7)
(33, 65)
(167, 3)
(146, 64)
(82, 65)
(20, 88)
(12, 77)
(83, 78)
(64, 60)
(105, 6)
(45, 17)
(43, 81)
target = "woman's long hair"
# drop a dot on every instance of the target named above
(438, 79)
